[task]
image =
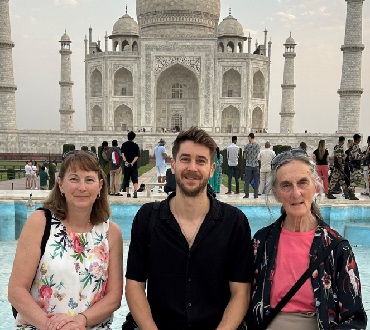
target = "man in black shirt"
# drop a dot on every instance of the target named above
(195, 260)
(130, 154)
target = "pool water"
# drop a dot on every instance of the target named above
(259, 216)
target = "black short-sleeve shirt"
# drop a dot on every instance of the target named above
(323, 160)
(189, 289)
(131, 150)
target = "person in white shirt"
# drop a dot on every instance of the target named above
(160, 155)
(232, 165)
(34, 175)
(265, 157)
(28, 173)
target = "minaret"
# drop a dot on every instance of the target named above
(66, 100)
(350, 86)
(288, 85)
(7, 87)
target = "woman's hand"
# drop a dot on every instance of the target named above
(65, 322)
(74, 325)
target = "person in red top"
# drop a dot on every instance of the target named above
(321, 157)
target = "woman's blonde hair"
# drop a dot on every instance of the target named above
(321, 149)
(85, 161)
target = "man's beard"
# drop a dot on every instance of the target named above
(194, 192)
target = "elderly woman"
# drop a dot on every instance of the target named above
(331, 297)
(76, 282)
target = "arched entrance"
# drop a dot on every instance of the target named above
(177, 99)
(230, 120)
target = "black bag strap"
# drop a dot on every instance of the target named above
(44, 240)
(294, 289)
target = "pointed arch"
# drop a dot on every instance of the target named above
(123, 118)
(258, 85)
(125, 45)
(177, 98)
(230, 47)
(221, 47)
(115, 45)
(96, 83)
(257, 120)
(96, 118)
(123, 83)
(240, 47)
(135, 46)
(230, 120)
(231, 84)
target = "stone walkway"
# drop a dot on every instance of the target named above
(16, 189)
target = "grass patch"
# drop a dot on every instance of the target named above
(233, 186)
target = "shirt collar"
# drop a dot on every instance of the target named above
(214, 208)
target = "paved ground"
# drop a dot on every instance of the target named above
(17, 189)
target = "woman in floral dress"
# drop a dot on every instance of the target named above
(331, 298)
(77, 282)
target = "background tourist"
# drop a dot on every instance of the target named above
(216, 180)
(130, 154)
(115, 168)
(303, 146)
(355, 158)
(252, 171)
(265, 156)
(104, 161)
(77, 282)
(347, 167)
(321, 158)
(34, 173)
(338, 175)
(44, 177)
(232, 165)
(160, 155)
(28, 174)
(366, 163)
(331, 297)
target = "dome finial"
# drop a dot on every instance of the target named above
(126, 8)
(230, 11)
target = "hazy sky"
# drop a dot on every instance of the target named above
(316, 25)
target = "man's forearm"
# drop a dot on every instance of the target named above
(139, 305)
(135, 159)
(235, 311)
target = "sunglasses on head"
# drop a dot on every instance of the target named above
(74, 152)
(294, 151)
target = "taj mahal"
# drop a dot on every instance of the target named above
(177, 65)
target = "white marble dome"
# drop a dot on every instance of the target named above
(230, 27)
(290, 41)
(65, 38)
(126, 25)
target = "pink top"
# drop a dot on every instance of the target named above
(292, 260)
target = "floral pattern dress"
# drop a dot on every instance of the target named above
(73, 272)
(336, 282)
